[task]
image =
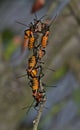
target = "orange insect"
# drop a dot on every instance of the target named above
(31, 41)
(45, 40)
(35, 72)
(35, 84)
(26, 39)
(29, 38)
(40, 97)
(32, 62)
(32, 72)
(41, 53)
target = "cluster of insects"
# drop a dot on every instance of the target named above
(34, 70)
(36, 40)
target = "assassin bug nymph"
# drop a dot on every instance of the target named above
(29, 39)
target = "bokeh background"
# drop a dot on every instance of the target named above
(63, 55)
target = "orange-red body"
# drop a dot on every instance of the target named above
(32, 72)
(45, 40)
(39, 97)
(31, 42)
(41, 53)
(28, 39)
(35, 84)
(32, 62)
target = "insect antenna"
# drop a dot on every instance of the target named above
(53, 20)
(50, 69)
(51, 86)
(43, 84)
(41, 62)
(28, 107)
(22, 23)
(21, 76)
(43, 17)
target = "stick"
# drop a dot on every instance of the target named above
(36, 121)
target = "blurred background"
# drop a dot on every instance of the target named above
(63, 55)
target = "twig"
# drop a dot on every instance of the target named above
(36, 121)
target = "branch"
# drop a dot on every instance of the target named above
(41, 106)
(36, 121)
